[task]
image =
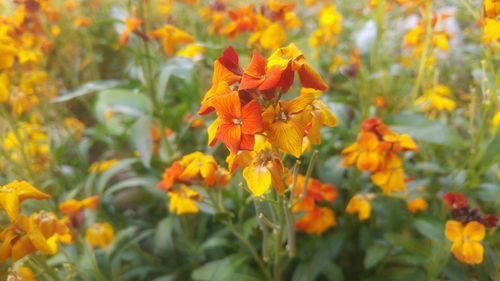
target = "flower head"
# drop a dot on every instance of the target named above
(466, 240)
(100, 235)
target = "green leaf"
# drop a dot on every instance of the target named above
(178, 67)
(88, 88)
(163, 235)
(221, 270)
(105, 177)
(128, 183)
(122, 101)
(374, 254)
(141, 139)
(431, 228)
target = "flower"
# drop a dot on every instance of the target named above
(416, 205)
(316, 221)
(455, 200)
(22, 273)
(391, 175)
(100, 235)
(495, 121)
(237, 123)
(39, 232)
(102, 166)
(286, 122)
(360, 204)
(192, 51)
(364, 153)
(466, 240)
(265, 170)
(436, 99)
(131, 24)
(14, 193)
(72, 207)
(171, 36)
(258, 76)
(182, 201)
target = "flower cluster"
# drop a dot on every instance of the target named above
(467, 228)
(23, 44)
(436, 99)
(39, 232)
(193, 168)
(377, 150)
(252, 120)
(28, 146)
(266, 22)
(308, 198)
(329, 27)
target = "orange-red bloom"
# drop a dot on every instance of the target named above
(237, 124)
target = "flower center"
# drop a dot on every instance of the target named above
(237, 121)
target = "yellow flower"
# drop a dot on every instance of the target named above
(100, 235)
(102, 166)
(466, 240)
(22, 273)
(40, 232)
(491, 31)
(416, 205)
(390, 177)
(360, 204)
(171, 37)
(265, 170)
(75, 127)
(14, 193)
(437, 99)
(193, 51)
(183, 201)
(4, 87)
(198, 164)
(496, 119)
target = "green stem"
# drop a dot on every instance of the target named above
(425, 51)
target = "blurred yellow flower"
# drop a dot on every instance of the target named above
(183, 201)
(417, 205)
(496, 119)
(360, 205)
(171, 36)
(14, 193)
(102, 166)
(193, 51)
(466, 240)
(22, 273)
(436, 99)
(491, 31)
(100, 235)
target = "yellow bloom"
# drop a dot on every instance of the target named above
(491, 31)
(102, 166)
(416, 205)
(71, 207)
(198, 164)
(466, 240)
(183, 201)
(100, 235)
(75, 127)
(437, 99)
(360, 204)
(265, 170)
(193, 51)
(496, 119)
(390, 177)
(171, 37)
(22, 273)
(14, 193)
(4, 86)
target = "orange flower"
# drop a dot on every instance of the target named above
(237, 124)
(226, 73)
(320, 116)
(100, 235)
(82, 22)
(171, 37)
(72, 207)
(170, 176)
(182, 201)
(22, 273)
(197, 165)
(390, 177)
(316, 221)
(417, 205)
(286, 122)
(258, 76)
(364, 153)
(242, 20)
(290, 59)
(131, 24)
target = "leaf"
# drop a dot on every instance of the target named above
(163, 235)
(333, 272)
(88, 88)
(122, 101)
(127, 183)
(489, 153)
(111, 172)
(431, 228)
(374, 254)
(178, 67)
(141, 139)
(220, 270)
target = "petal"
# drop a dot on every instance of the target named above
(370, 161)
(286, 136)
(247, 142)
(453, 231)
(474, 231)
(10, 203)
(212, 132)
(273, 76)
(473, 252)
(26, 190)
(309, 78)
(228, 106)
(258, 179)
(230, 135)
(251, 117)
(22, 248)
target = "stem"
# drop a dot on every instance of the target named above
(309, 172)
(279, 237)
(423, 57)
(47, 270)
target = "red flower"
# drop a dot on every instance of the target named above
(455, 200)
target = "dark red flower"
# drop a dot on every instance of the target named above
(455, 200)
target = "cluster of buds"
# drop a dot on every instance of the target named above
(194, 168)
(308, 195)
(266, 22)
(254, 123)
(377, 150)
(466, 230)
(39, 232)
